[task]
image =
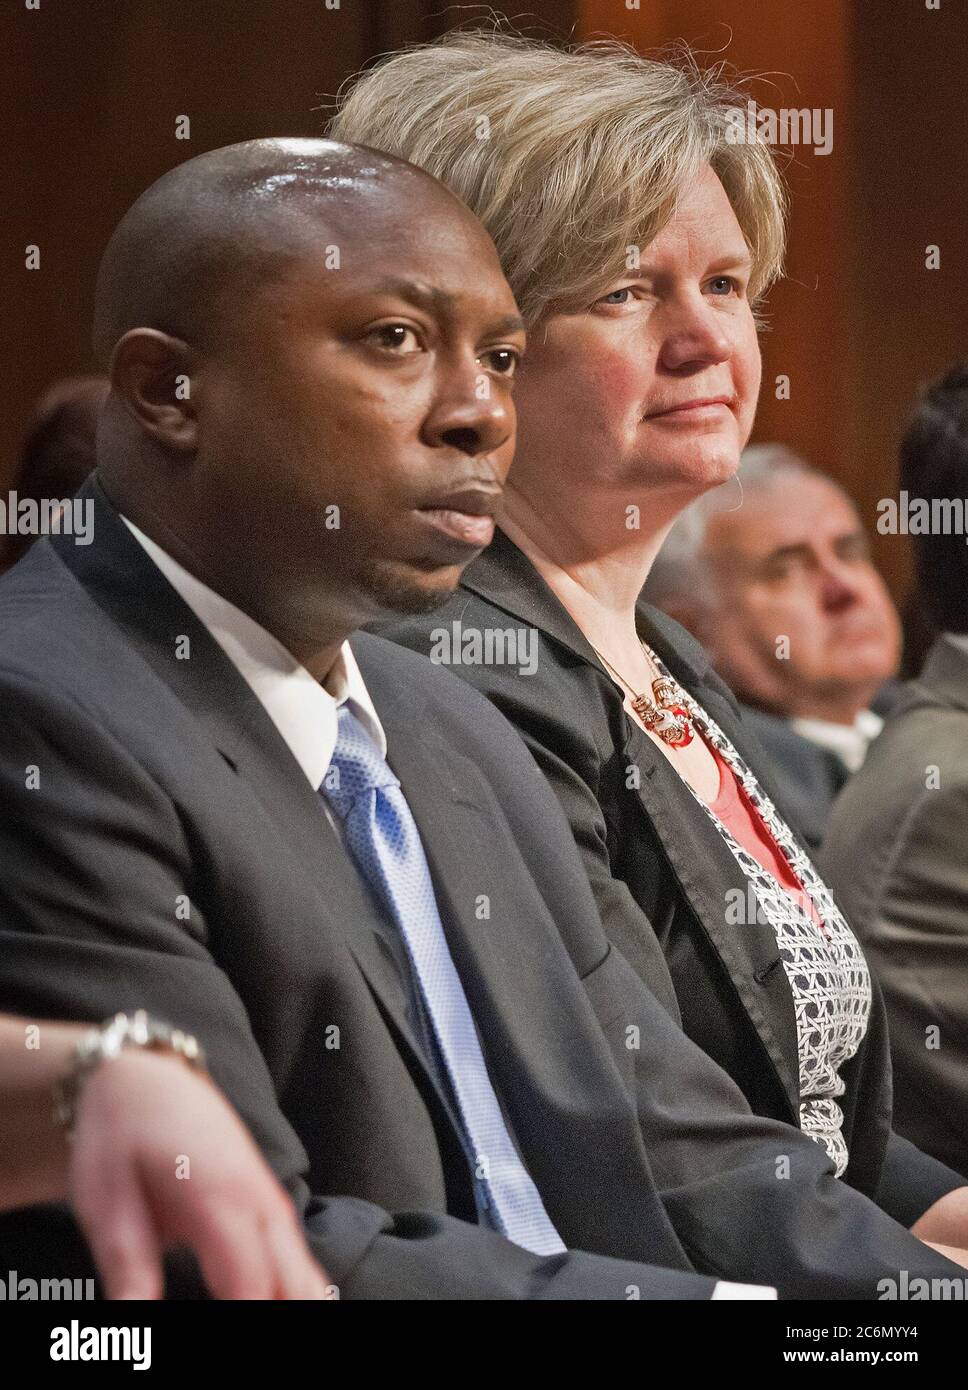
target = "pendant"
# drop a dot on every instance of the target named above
(665, 717)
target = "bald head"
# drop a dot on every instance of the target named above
(204, 231)
(312, 347)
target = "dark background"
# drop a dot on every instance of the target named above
(93, 89)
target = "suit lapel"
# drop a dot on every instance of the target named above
(136, 596)
(747, 948)
(542, 1045)
(944, 678)
(504, 576)
(713, 882)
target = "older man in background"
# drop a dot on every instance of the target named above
(56, 454)
(895, 847)
(775, 579)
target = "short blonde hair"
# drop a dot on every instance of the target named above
(568, 156)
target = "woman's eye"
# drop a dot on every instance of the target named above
(503, 360)
(612, 296)
(777, 571)
(728, 283)
(396, 336)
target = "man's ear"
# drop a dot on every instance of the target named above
(151, 372)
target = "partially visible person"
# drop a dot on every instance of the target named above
(136, 1119)
(776, 580)
(636, 396)
(895, 851)
(57, 452)
(920, 634)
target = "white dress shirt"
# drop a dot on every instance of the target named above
(850, 742)
(302, 709)
(958, 640)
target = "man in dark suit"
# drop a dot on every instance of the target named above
(895, 847)
(335, 866)
(772, 573)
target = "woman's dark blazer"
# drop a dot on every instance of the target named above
(666, 885)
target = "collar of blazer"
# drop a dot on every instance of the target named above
(943, 679)
(529, 1029)
(503, 576)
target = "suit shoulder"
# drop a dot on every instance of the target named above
(387, 665)
(912, 790)
(417, 630)
(915, 738)
(488, 647)
(48, 623)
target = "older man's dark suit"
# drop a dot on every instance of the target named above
(808, 776)
(162, 848)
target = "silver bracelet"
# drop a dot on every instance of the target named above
(109, 1040)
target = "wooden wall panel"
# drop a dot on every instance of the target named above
(92, 89)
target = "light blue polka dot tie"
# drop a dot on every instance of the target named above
(382, 837)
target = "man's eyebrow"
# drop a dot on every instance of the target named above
(783, 552)
(427, 296)
(510, 323)
(439, 301)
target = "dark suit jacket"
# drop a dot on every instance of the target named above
(895, 854)
(808, 776)
(161, 779)
(659, 871)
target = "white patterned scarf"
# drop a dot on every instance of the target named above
(826, 968)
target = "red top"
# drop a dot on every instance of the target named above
(747, 827)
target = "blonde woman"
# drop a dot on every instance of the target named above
(639, 240)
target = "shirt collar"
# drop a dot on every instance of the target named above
(957, 639)
(303, 710)
(849, 741)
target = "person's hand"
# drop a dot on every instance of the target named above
(160, 1158)
(946, 1221)
(950, 1252)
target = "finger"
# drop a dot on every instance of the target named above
(115, 1218)
(296, 1273)
(231, 1254)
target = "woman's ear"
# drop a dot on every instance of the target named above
(151, 373)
